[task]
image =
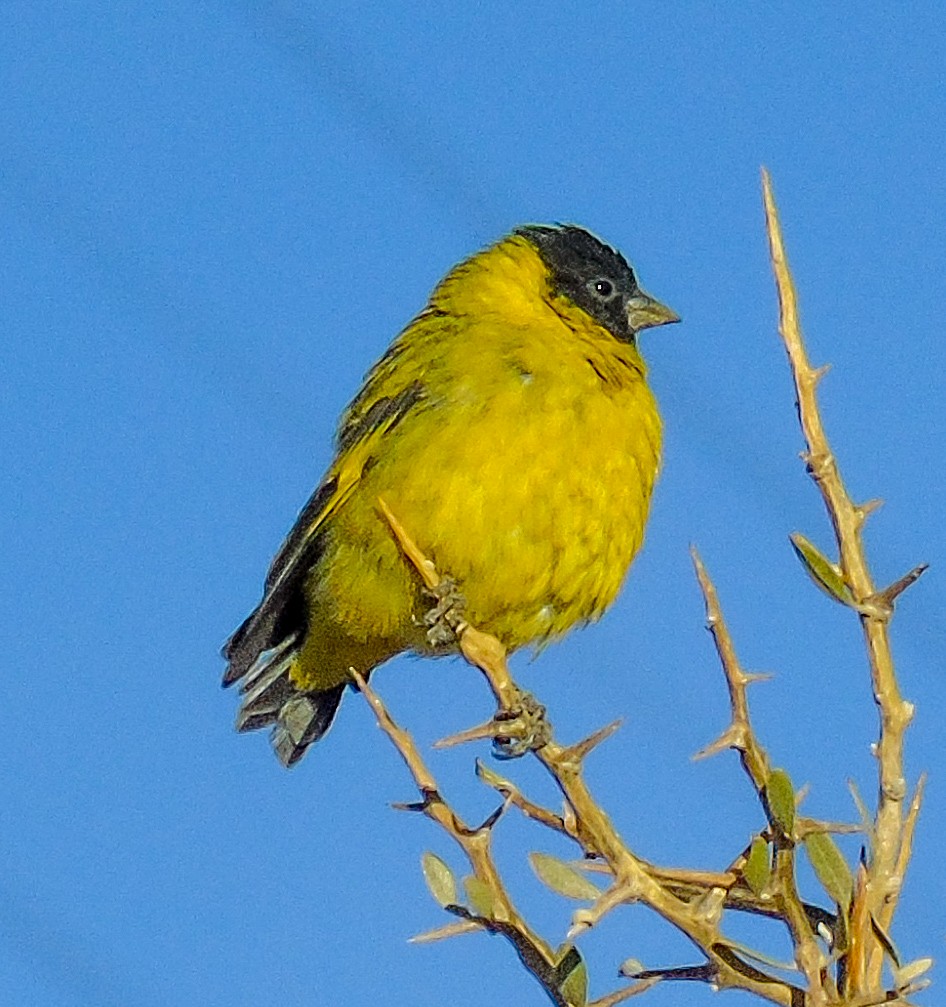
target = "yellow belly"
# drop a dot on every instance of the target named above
(530, 488)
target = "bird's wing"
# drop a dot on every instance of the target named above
(387, 397)
(358, 442)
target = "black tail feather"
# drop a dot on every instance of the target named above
(298, 717)
(302, 721)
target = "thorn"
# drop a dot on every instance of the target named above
(581, 749)
(478, 733)
(419, 806)
(751, 677)
(429, 797)
(442, 933)
(897, 588)
(492, 819)
(867, 508)
(732, 737)
(818, 373)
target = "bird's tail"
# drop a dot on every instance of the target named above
(298, 717)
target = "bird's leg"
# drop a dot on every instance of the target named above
(521, 728)
(445, 619)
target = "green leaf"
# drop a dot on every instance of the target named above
(562, 877)
(572, 976)
(758, 866)
(831, 867)
(780, 800)
(480, 896)
(439, 879)
(821, 570)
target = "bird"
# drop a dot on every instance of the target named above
(511, 430)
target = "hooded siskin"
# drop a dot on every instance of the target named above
(511, 429)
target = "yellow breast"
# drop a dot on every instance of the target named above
(531, 488)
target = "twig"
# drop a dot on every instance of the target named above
(517, 799)
(848, 518)
(592, 827)
(475, 843)
(740, 736)
(621, 995)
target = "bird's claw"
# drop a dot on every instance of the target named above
(520, 729)
(444, 620)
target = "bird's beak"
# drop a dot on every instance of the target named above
(643, 312)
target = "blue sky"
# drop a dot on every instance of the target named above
(215, 216)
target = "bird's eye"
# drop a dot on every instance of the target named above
(603, 288)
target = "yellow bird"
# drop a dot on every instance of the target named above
(511, 430)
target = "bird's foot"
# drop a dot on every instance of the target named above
(520, 729)
(444, 620)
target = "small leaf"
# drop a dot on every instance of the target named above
(562, 877)
(480, 896)
(780, 799)
(821, 570)
(831, 867)
(758, 868)
(439, 879)
(909, 973)
(572, 976)
(630, 967)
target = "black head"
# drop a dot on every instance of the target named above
(596, 278)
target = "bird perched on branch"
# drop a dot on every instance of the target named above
(511, 430)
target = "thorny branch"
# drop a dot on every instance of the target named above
(891, 842)
(634, 880)
(839, 955)
(740, 736)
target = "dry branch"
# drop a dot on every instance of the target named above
(839, 955)
(891, 845)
